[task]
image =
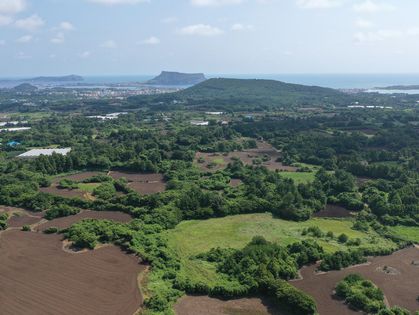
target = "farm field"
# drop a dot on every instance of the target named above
(399, 287)
(410, 233)
(83, 190)
(333, 211)
(20, 217)
(39, 277)
(216, 161)
(191, 238)
(145, 184)
(204, 305)
(66, 222)
(198, 236)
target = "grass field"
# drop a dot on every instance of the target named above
(410, 233)
(299, 177)
(190, 238)
(88, 187)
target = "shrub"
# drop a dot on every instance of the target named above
(61, 211)
(343, 238)
(26, 228)
(361, 294)
(67, 184)
(51, 230)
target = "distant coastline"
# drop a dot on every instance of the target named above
(336, 81)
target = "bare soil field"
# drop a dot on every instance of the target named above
(400, 288)
(19, 217)
(70, 193)
(145, 184)
(66, 222)
(204, 305)
(333, 211)
(38, 277)
(234, 182)
(216, 161)
(79, 176)
(67, 193)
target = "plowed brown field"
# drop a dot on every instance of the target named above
(66, 222)
(400, 289)
(38, 277)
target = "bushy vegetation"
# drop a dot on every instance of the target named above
(60, 211)
(363, 295)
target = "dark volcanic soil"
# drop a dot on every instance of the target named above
(333, 211)
(144, 184)
(19, 217)
(38, 277)
(401, 289)
(204, 305)
(66, 222)
(246, 156)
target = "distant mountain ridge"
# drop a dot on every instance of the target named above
(25, 87)
(177, 79)
(66, 78)
(248, 95)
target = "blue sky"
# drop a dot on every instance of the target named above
(53, 37)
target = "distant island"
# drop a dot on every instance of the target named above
(399, 87)
(66, 78)
(25, 87)
(177, 78)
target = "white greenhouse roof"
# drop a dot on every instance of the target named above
(38, 152)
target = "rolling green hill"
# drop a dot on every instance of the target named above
(250, 95)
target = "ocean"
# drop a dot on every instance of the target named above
(336, 81)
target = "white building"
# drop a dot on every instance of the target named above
(14, 129)
(199, 123)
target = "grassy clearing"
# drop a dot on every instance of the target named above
(299, 177)
(410, 233)
(88, 187)
(190, 238)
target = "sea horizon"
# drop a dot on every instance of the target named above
(336, 81)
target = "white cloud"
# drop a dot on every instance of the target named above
(151, 41)
(5, 20)
(58, 38)
(109, 44)
(24, 39)
(117, 2)
(370, 6)
(85, 54)
(414, 31)
(241, 27)
(22, 55)
(200, 30)
(31, 23)
(380, 35)
(66, 26)
(169, 20)
(318, 4)
(213, 3)
(12, 6)
(361, 23)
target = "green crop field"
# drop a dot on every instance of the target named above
(190, 238)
